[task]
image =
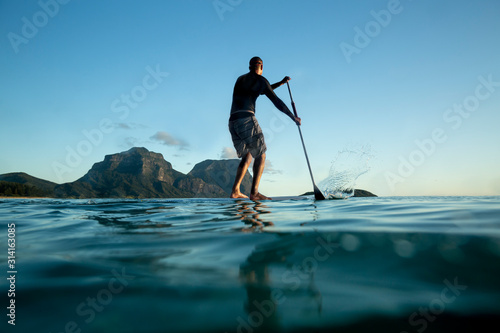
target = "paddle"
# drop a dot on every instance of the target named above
(317, 193)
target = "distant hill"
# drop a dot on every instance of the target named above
(363, 193)
(221, 173)
(137, 173)
(10, 189)
(24, 178)
(357, 193)
(21, 184)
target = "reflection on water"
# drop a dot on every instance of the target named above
(243, 266)
(266, 290)
(253, 213)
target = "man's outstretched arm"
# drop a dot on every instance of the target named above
(278, 103)
(282, 82)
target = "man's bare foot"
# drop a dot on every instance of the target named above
(258, 197)
(238, 195)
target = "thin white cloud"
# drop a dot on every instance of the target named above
(131, 141)
(228, 153)
(129, 126)
(166, 139)
(269, 169)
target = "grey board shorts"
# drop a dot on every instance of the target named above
(247, 136)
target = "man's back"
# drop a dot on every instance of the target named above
(246, 90)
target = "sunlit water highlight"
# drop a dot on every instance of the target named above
(222, 265)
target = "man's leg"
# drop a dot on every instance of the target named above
(258, 169)
(240, 173)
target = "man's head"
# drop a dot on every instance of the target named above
(256, 65)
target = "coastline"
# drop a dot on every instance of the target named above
(4, 197)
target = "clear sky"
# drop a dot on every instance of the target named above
(413, 84)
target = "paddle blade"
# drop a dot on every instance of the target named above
(318, 195)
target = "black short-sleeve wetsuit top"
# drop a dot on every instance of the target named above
(246, 90)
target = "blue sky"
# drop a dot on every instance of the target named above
(413, 84)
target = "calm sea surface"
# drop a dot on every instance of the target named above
(388, 264)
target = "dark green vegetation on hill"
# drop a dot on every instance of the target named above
(20, 184)
(9, 189)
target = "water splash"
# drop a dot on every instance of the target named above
(349, 164)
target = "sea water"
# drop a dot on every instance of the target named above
(386, 264)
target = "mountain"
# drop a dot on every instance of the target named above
(221, 173)
(137, 173)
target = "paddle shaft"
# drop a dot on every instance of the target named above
(302, 139)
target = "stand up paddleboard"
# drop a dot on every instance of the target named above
(280, 198)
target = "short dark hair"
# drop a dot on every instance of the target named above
(254, 62)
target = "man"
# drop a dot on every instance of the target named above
(245, 131)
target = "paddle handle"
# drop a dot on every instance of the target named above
(301, 137)
(307, 158)
(291, 98)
